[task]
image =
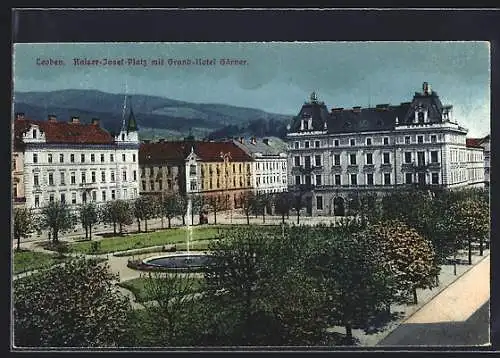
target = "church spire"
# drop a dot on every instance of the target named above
(131, 123)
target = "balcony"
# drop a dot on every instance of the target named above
(386, 166)
(368, 168)
(352, 168)
(337, 168)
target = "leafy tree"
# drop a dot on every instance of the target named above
(283, 204)
(182, 207)
(357, 286)
(261, 204)
(298, 203)
(471, 221)
(24, 224)
(144, 209)
(410, 256)
(72, 305)
(57, 217)
(117, 212)
(170, 207)
(247, 200)
(369, 207)
(353, 203)
(197, 203)
(89, 216)
(216, 203)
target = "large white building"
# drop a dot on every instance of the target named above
(333, 155)
(269, 166)
(74, 162)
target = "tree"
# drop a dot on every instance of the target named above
(216, 203)
(24, 224)
(471, 221)
(261, 203)
(89, 216)
(144, 209)
(410, 256)
(170, 207)
(57, 217)
(197, 203)
(71, 305)
(282, 204)
(247, 200)
(182, 208)
(117, 212)
(357, 286)
(353, 203)
(298, 203)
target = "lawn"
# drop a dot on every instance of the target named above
(137, 241)
(138, 287)
(30, 260)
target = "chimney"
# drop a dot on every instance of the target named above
(242, 140)
(95, 121)
(356, 109)
(266, 141)
(253, 141)
(75, 119)
(161, 140)
(426, 88)
(19, 115)
(52, 118)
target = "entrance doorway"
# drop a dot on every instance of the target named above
(338, 206)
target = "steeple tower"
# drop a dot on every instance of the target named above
(129, 130)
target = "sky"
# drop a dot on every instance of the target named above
(273, 76)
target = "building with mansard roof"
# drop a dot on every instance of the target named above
(334, 155)
(73, 162)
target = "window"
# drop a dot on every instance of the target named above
(306, 144)
(369, 179)
(387, 179)
(316, 144)
(93, 177)
(102, 158)
(34, 133)
(336, 143)
(61, 158)
(111, 159)
(73, 178)
(420, 117)
(336, 159)
(369, 158)
(296, 145)
(386, 140)
(113, 196)
(35, 158)
(407, 139)
(337, 179)
(49, 158)
(103, 177)
(72, 158)
(386, 158)
(368, 141)
(133, 157)
(92, 158)
(319, 202)
(63, 178)
(435, 178)
(73, 198)
(37, 201)
(123, 136)
(124, 176)
(297, 180)
(297, 161)
(420, 139)
(123, 158)
(143, 185)
(94, 196)
(135, 175)
(408, 178)
(35, 180)
(318, 179)
(103, 195)
(83, 178)
(193, 185)
(434, 156)
(421, 158)
(82, 158)
(352, 142)
(160, 184)
(317, 160)
(407, 157)
(354, 179)
(112, 177)
(433, 138)
(192, 169)
(51, 198)
(352, 159)
(125, 194)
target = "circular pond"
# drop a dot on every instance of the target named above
(183, 262)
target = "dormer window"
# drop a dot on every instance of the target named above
(123, 136)
(310, 123)
(34, 133)
(421, 117)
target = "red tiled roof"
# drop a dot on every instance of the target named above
(151, 153)
(473, 142)
(64, 132)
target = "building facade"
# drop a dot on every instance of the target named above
(334, 155)
(75, 163)
(269, 166)
(197, 168)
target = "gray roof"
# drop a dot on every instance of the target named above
(274, 146)
(381, 118)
